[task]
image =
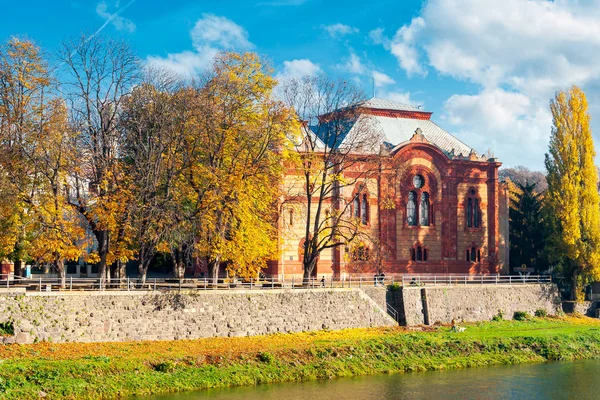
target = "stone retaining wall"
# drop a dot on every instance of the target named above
(433, 304)
(588, 308)
(126, 316)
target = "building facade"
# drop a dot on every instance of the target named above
(435, 206)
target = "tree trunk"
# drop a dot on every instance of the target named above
(213, 269)
(60, 271)
(143, 268)
(145, 258)
(575, 284)
(308, 270)
(18, 268)
(102, 238)
(178, 264)
(121, 269)
(118, 271)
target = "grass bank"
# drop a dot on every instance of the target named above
(109, 370)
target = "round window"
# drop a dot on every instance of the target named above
(418, 181)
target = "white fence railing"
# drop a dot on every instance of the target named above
(131, 284)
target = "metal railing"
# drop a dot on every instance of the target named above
(42, 284)
(392, 312)
(434, 280)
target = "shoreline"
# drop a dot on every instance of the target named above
(113, 370)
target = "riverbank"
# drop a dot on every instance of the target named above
(109, 370)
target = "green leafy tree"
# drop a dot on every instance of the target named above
(572, 198)
(527, 233)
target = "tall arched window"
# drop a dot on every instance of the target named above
(424, 211)
(411, 209)
(365, 210)
(473, 212)
(470, 212)
(291, 217)
(356, 206)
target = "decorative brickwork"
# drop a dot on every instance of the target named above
(448, 183)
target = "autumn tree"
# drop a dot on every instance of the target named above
(153, 127)
(524, 176)
(336, 153)
(24, 82)
(572, 197)
(98, 74)
(234, 152)
(58, 233)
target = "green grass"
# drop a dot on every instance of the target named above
(109, 370)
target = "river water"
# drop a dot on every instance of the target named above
(560, 380)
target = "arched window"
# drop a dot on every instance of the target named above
(356, 206)
(418, 253)
(473, 254)
(473, 212)
(292, 217)
(470, 212)
(411, 209)
(365, 210)
(424, 211)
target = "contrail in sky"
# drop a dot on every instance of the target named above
(109, 20)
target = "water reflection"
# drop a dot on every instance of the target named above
(566, 380)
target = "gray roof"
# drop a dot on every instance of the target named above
(396, 130)
(400, 130)
(383, 104)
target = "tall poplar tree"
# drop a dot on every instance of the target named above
(572, 198)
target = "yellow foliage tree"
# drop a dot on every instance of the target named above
(24, 81)
(235, 147)
(58, 231)
(572, 201)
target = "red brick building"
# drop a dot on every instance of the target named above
(437, 208)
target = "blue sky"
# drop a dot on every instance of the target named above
(487, 69)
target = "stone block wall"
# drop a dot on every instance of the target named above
(128, 316)
(476, 302)
(584, 308)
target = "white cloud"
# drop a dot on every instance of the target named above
(339, 30)
(186, 63)
(518, 52)
(508, 123)
(120, 23)
(353, 65)
(212, 30)
(377, 36)
(381, 79)
(403, 47)
(298, 69)
(209, 35)
(399, 97)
